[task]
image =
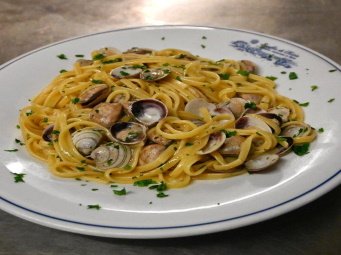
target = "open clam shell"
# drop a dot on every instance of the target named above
(126, 72)
(215, 141)
(247, 122)
(261, 162)
(154, 74)
(128, 132)
(94, 95)
(148, 111)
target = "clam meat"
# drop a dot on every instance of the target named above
(128, 132)
(126, 72)
(106, 114)
(150, 153)
(154, 74)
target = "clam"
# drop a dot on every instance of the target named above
(195, 105)
(136, 50)
(128, 132)
(274, 117)
(154, 74)
(85, 62)
(232, 145)
(153, 136)
(248, 65)
(47, 133)
(86, 140)
(126, 72)
(111, 155)
(94, 95)
(106, 114)
(148, 111)
(282, 112)
(255, 98)
(294, 130)
(222, 108)
(261, 162)
(237, 106)
(247, 122)
(215, 141)
(106, 51)
(150, 153)
(284, 145)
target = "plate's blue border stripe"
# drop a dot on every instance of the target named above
(172, 26)
(180, 226)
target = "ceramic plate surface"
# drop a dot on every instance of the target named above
(204, 206)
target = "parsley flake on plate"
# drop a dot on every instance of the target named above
(18, 177)
(62, 56)
(293, 76)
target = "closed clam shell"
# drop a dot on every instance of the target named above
(86, 140)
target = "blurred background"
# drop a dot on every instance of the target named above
(28, 24)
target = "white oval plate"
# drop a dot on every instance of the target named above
(204, 206)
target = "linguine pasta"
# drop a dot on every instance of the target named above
(220, 118)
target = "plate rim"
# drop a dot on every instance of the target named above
(299, 200)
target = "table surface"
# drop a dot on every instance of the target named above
(28, 24)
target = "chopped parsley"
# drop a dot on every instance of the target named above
(314, 87)
(110, 61)
(80, 168)
(29, 113)
(161, 195)
(304, 104)
(178, 78)
(230, 133)
(224, 76)
(11, 150)
(332, 70)
(123, 73)
(19, 142)
(163, 38)
(97, 207)
(273, 78)
(56, 132)
(283, 72)
(62, 71)
(127, 167)
(293, 76)
(204, 37)
(62, 56)
(17, 126)
(144, 183)
(98, 56)
(94, 189)
(331, 100)
(45, 120)
(320, 130)
(96, 81)
(121, 192)
(203, 46)
(75, 100)
(18, 177)
(79, 56)
(188, 144)
(251, 105)
(243, 72)
(301, 149)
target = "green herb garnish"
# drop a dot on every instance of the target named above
(96, 81)
(293, 76)
(251, 105)
(301, 149)
(320, 130)
(314, 87)
(121, 192)
(62, 71)
(97, 207)
(144, 183)
(62, 56)
(98, 56)
(224, 76)
(11, 150)
(75, 100)
(178, 78)
(273, 78)
(229, 133)
(18, 177)
(110, 61)
(332, 70)
(243, 72)
(304, 104)
(79, 56)
(19, 142)
(331, 100)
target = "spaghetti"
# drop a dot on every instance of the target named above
(214, 119)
